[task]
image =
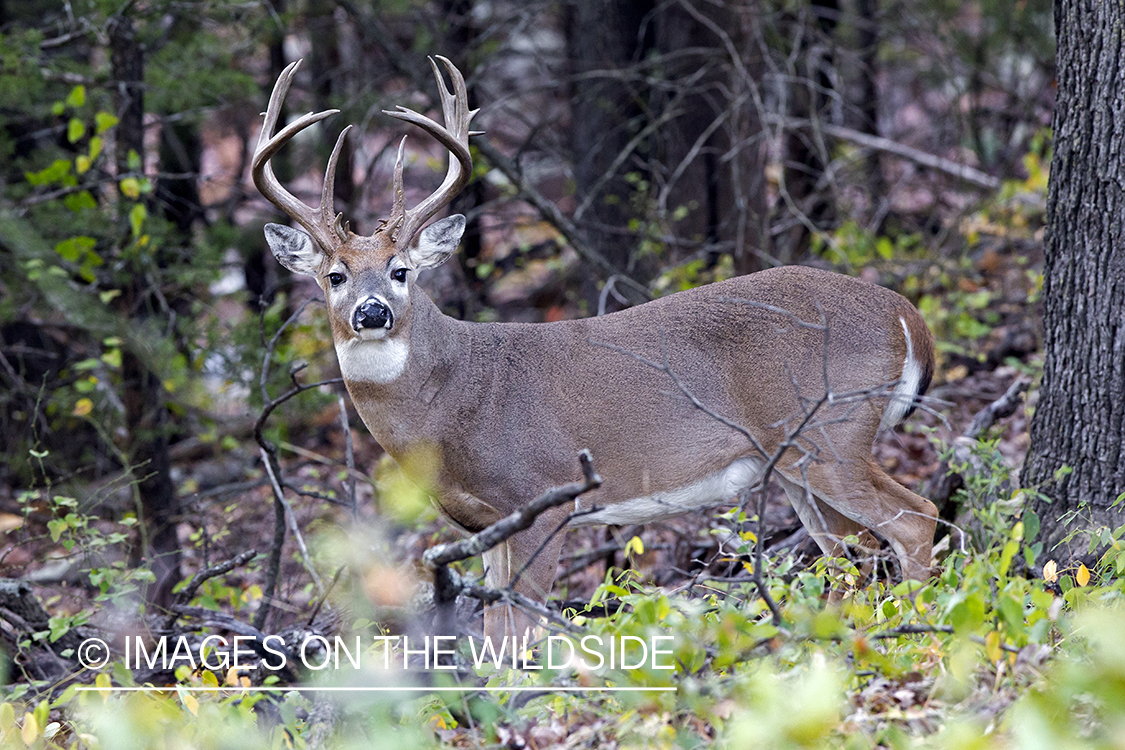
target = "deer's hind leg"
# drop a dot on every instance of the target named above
(829, 528)
(865, 495)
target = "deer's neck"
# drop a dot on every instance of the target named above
(393, 382)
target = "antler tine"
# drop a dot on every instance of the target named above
(328, 215)
(318, 222)
(454, 135)
(398, 208)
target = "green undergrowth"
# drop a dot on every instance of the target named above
(1005, 647)
(980, 656)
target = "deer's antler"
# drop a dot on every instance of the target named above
(454, 135)
(325, 226)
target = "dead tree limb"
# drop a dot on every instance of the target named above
(444, 554)
(963, 172)
(184, 596)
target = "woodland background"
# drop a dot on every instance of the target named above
(156, 361)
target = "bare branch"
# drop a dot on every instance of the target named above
(444, 554)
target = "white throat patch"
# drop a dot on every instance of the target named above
(375, 361)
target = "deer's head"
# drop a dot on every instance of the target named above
(367, 280)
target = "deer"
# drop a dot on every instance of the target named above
(684, 401)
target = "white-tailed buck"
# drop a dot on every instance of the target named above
(681, 401)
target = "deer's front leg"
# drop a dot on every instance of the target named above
(532, 560)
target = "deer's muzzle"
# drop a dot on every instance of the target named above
(373, 313)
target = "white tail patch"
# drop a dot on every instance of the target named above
(373, 361)
(904, 394)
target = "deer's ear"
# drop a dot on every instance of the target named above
(438, 242)
(294, 249)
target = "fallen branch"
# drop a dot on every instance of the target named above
(187, 593)
(961, 171)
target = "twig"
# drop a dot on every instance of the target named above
(945, 482)
(349, 458)
(292, 521)
(187, 593)
(324, 597)
(564, 225)
(448, 585)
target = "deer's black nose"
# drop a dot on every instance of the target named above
(373, 314)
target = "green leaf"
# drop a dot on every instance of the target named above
(137, 217)
(1030, 525)
(75, 248)
(59, 626)
(75, 129)
(1010, 550)
(103, 121)
(130, 187)
(80, 201)
(968, 614)
(884, 248)
(77, 96)
(54, 173)
(56, 526)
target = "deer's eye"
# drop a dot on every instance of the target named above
(335, 279)
(399, 275)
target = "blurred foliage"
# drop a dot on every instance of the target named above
(981, 656)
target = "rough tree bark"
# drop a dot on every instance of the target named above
(1080, 419)
(146, 413)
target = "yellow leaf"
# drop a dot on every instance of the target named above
(992, 646)
(103, 681)
(82, 164)
(244, 681)
(190, 703)
(1083, 575)
(83, 407)
(30, 729)
(131, 188)
(209, 679)
(1051, 571)
(7, 717)
(635, 546)
(232, 677)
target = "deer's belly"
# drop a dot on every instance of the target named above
(720, 487)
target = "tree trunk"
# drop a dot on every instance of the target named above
(1080, 420)
(722, 169)
(604, 38)
(146, 413)
(807, 150)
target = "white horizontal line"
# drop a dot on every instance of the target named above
(382, 689)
